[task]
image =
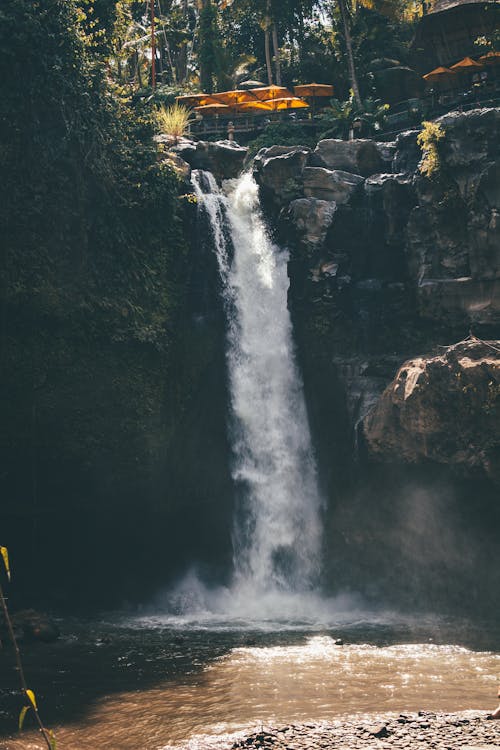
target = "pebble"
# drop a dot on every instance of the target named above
(468, 730)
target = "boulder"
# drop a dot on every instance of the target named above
(224, 159)
(391, 197)
(311, 218)
(443, 408)
(472, 137)
(178, 165)
(30, 626)
(361, 156)
(279, 173)
(330, 185)
(407, 154)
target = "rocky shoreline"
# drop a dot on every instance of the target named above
(464, 730)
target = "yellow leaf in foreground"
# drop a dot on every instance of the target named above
(22, 716)
(5, 554)
(53, 743)
(32, 699)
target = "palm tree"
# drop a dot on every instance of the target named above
(344, 13)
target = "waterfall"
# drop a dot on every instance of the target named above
(277, 528)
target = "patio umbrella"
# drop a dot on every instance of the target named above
(440, 75)
(273, 105)
(238, 96)
(213, 109)
(490, 58)
(255, 106)
(467, 65)
(191, 100)
(287, 102)
(313, 90)
(265, 93)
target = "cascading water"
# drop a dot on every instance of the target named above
(277, 534)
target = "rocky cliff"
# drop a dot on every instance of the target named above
(389, 269)
(386, 263)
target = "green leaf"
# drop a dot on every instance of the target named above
(52, 740)
(5, 554)
(31, 698)
(22, 716)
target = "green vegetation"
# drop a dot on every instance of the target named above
(340, 118)
(173, 120)
(429, 140)
(93, 268)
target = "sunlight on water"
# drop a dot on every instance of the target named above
(275, 685)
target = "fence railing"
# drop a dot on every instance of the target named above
(402, 116)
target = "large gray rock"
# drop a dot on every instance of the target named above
(443, 408)
(224, 159)
(311, 219)
(330, 185)
(408, 153)
(390, 198)
(361, 156)
(279, 172)
(475, 136)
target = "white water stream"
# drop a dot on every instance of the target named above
(277, 530)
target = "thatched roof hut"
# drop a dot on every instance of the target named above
(447, 33)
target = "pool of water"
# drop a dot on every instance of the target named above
(154, 683)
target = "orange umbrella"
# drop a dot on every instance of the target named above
(191, 100)
(490, 58)
(271, 92)
(273, 105)
(438, 74)
(314, 89)
(238, 96)
(466, 65)
(213, 109)
(255, 106)
(288, 102)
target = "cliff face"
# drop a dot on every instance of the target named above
(388, 270)
(386, 263)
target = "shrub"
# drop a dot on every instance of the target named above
(173, 120)
(428, 140)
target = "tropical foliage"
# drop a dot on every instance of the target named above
(341, 119)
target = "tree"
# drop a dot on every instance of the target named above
(344, 13)
(207, 56)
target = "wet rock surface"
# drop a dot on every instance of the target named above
(31, 626)
(468, 730)
(443, 407)
(223, 158)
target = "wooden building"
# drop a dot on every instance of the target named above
(448, 31)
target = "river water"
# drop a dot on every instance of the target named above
(153, 683)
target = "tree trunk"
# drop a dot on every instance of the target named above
(182, 58)
(267, 47)
(276, 48)
(350, 56)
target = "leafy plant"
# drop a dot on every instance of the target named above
(428, 140)
(173, 120)
(47, 734)
(341, 117)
